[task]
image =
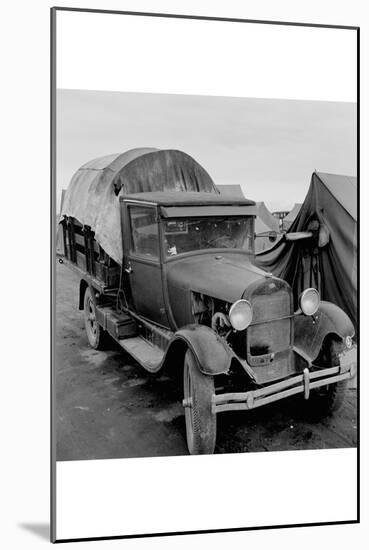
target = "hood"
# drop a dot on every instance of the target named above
(224, 275)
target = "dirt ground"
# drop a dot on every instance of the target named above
(107, 406)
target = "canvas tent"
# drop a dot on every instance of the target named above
(265, 218)
(265, 222)
(328, 260)
(93, 194)
(291, 216)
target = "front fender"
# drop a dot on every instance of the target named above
(309, 332)
(213, 354)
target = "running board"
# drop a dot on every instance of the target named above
(148, 355)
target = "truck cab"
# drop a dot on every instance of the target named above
(176, 244)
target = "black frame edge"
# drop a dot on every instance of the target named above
(210, 531)
(52, 271)
(204, 18)
(358, 264)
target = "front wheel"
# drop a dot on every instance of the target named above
(201, 425)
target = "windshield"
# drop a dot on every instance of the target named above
(187, 235)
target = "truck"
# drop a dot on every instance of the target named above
(180, 291)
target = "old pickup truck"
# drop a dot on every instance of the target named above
(187, 297)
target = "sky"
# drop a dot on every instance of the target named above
(268, 146)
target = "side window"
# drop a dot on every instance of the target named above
(144, 231)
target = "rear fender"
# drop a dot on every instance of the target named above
(212, 353)
(310, 331)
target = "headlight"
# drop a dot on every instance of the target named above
(309, 301)
(240, 314)
(348, 342)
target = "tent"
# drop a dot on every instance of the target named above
(326, 261)
(265, 222)
(265, 219)
(291, 216)
(93, 194)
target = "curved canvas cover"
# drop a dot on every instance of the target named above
(233, 190)
(93, 194)
(331, 199)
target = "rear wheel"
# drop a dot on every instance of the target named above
(95, 334)
(326, 400)
(201, 423)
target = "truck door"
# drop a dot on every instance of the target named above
(142, 264)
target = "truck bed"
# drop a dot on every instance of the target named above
(81, 249)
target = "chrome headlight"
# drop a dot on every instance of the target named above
(240, 314)
(348, 342)
(309, 301)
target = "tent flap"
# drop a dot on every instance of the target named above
(330, 201)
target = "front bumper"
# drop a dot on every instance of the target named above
(301, 383)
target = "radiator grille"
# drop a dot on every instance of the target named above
(270, 337)
(270, 331)
(271, 306)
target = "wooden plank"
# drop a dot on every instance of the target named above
(81, 260)
(79, 239)
(102, 254)
(98, 271)
(92, 252)
(78, 227)
(112, 276)
(64, 225)
(89, 257)
(86, 249)
(96, 247)
(84, 275)
(109, 275)
(71, 239)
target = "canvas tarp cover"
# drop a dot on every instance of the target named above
(93, 194)
(331, 200)
(233, 190)
(291, 216)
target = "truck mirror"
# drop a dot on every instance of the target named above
(298, 235)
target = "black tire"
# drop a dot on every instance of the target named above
(201, 424)
(327, 400)
(95, 334)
